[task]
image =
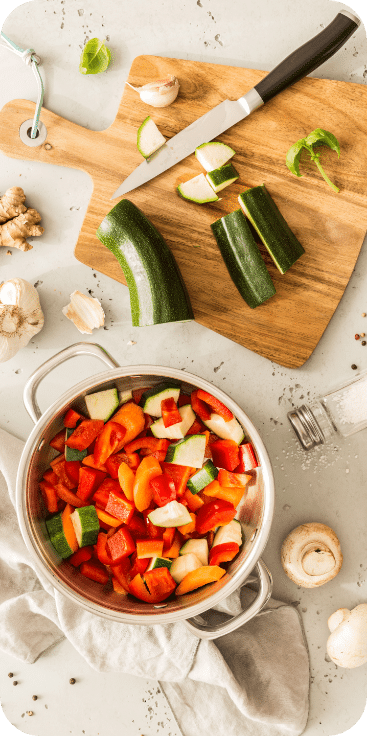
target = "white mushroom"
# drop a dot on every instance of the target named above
(160, 93)
(21, 316)
(347, 643)
(311, 555)
(85, 311)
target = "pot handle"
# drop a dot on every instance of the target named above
(198, 626)
(79, 348)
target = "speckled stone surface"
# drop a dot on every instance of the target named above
(326, 485)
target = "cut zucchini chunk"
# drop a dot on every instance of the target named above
(203, 477)
(125, 396)
(149, 138)
(70, 452)
(86, 525)
(231, 430)
(159, 562)
(151, 399)
(172, 514)
(242, 258)
(271, 226)
(175, 431)
(222, 177)
(197, 190)
(189, 451)
(198, 547)
(213, 155)
(157, 290)
(57, 536)
(231, 532)
(102, 404)
(182, 565)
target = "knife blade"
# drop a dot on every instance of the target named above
(297, 65)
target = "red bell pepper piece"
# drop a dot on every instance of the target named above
(137, 527)
(72, 418)
(152, 531)
(101, 549)
(119, 506)
(248, 459)
(225, 454)
(223, 553)
(183, 399)
(108, 441)
(210, 539)
(174, 550)
(81, 555)
(164, 489)
(93, 570)
(89, 462)
(138, 588)
(196, 428)
(160, 582)
(137, 394)
(150, 443)
(201, 409)
(100, 497)
(58, 441)
(85, 433)
(170, 413)
(122, 571)
(89, 480)
(69, 496)
(62, 476)
(138, 566)
(215, 513)
(179, 474)
(107, 519)
(49, 496)
(120, 545)
(215, 405)
(149, 548)
(114, 461)
(50, 477)
(168, 537)
(118, 586)
(72, 468)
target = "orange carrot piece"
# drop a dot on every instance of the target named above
(190, 527)
(131, 416)
(149, 468)
(68, 528)
(107, 518)
(197, 578)
(126, 478)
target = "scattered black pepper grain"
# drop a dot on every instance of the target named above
(34, 697)
(15, 682)
(10, 674)
(72, 679)
(354, 367)
(363, 342)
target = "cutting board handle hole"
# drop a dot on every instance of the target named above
(29, 131)
(25, 134)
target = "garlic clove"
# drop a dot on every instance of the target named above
(347, 643)
(160, 93)
(85, 311)
(21, 316)
(311, 555)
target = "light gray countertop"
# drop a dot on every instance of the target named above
(327, 485)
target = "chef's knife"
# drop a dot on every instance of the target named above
(296, 66)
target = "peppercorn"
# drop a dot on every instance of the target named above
(363, 314)
(10, 674)
(356, 337)
(29, 712)
(363, 334)
(363, 342)
(15, 682)
(354, 367)
(72, 680)
(34, 697)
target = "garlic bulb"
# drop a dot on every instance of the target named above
(160, 93)
(21, 316)
(85, 311)
(311, 555)
(347, 643)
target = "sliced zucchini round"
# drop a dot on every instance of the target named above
(149, 139)
(197, 190)
(152, 398)
(214, 154)
(222, 177)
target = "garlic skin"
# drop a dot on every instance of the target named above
(160, 93)
(347, 643)
(85, 311)
(311, 555)
(21, 316)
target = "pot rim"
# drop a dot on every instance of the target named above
(34, 443)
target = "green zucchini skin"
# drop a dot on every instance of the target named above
(271, 226)
(157, 291)
(242, 258)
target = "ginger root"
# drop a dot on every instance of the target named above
(17, 222)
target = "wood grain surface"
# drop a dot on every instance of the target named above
(331, 227)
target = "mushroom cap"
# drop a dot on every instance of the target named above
(347, 643)
(311, 555)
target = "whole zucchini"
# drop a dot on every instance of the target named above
(157, 291)
(242, 258)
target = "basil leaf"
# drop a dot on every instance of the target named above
(293, 157)
(95, 57)
(323, 136)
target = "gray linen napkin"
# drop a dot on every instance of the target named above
(253, 681)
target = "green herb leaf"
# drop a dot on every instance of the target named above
(293, 157)
(95, 57)
(323, 136)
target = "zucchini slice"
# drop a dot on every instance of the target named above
(271, 226)
(214, 154)
(151, 399)
(198, 547)
(222, 177)
(157, 291)
(159, 562)
(102, 404)
(243, 259)
(189, 451)
(225, 430)
(182, 565)
(172, 514)
(57, 536)
(197, 190)
(149, 139)
(231, 532)
(86, 525)
(203, 477)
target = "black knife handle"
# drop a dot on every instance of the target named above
(309, 56)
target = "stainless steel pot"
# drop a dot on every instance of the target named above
(255, 512)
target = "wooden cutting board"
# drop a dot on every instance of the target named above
(330, 226)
